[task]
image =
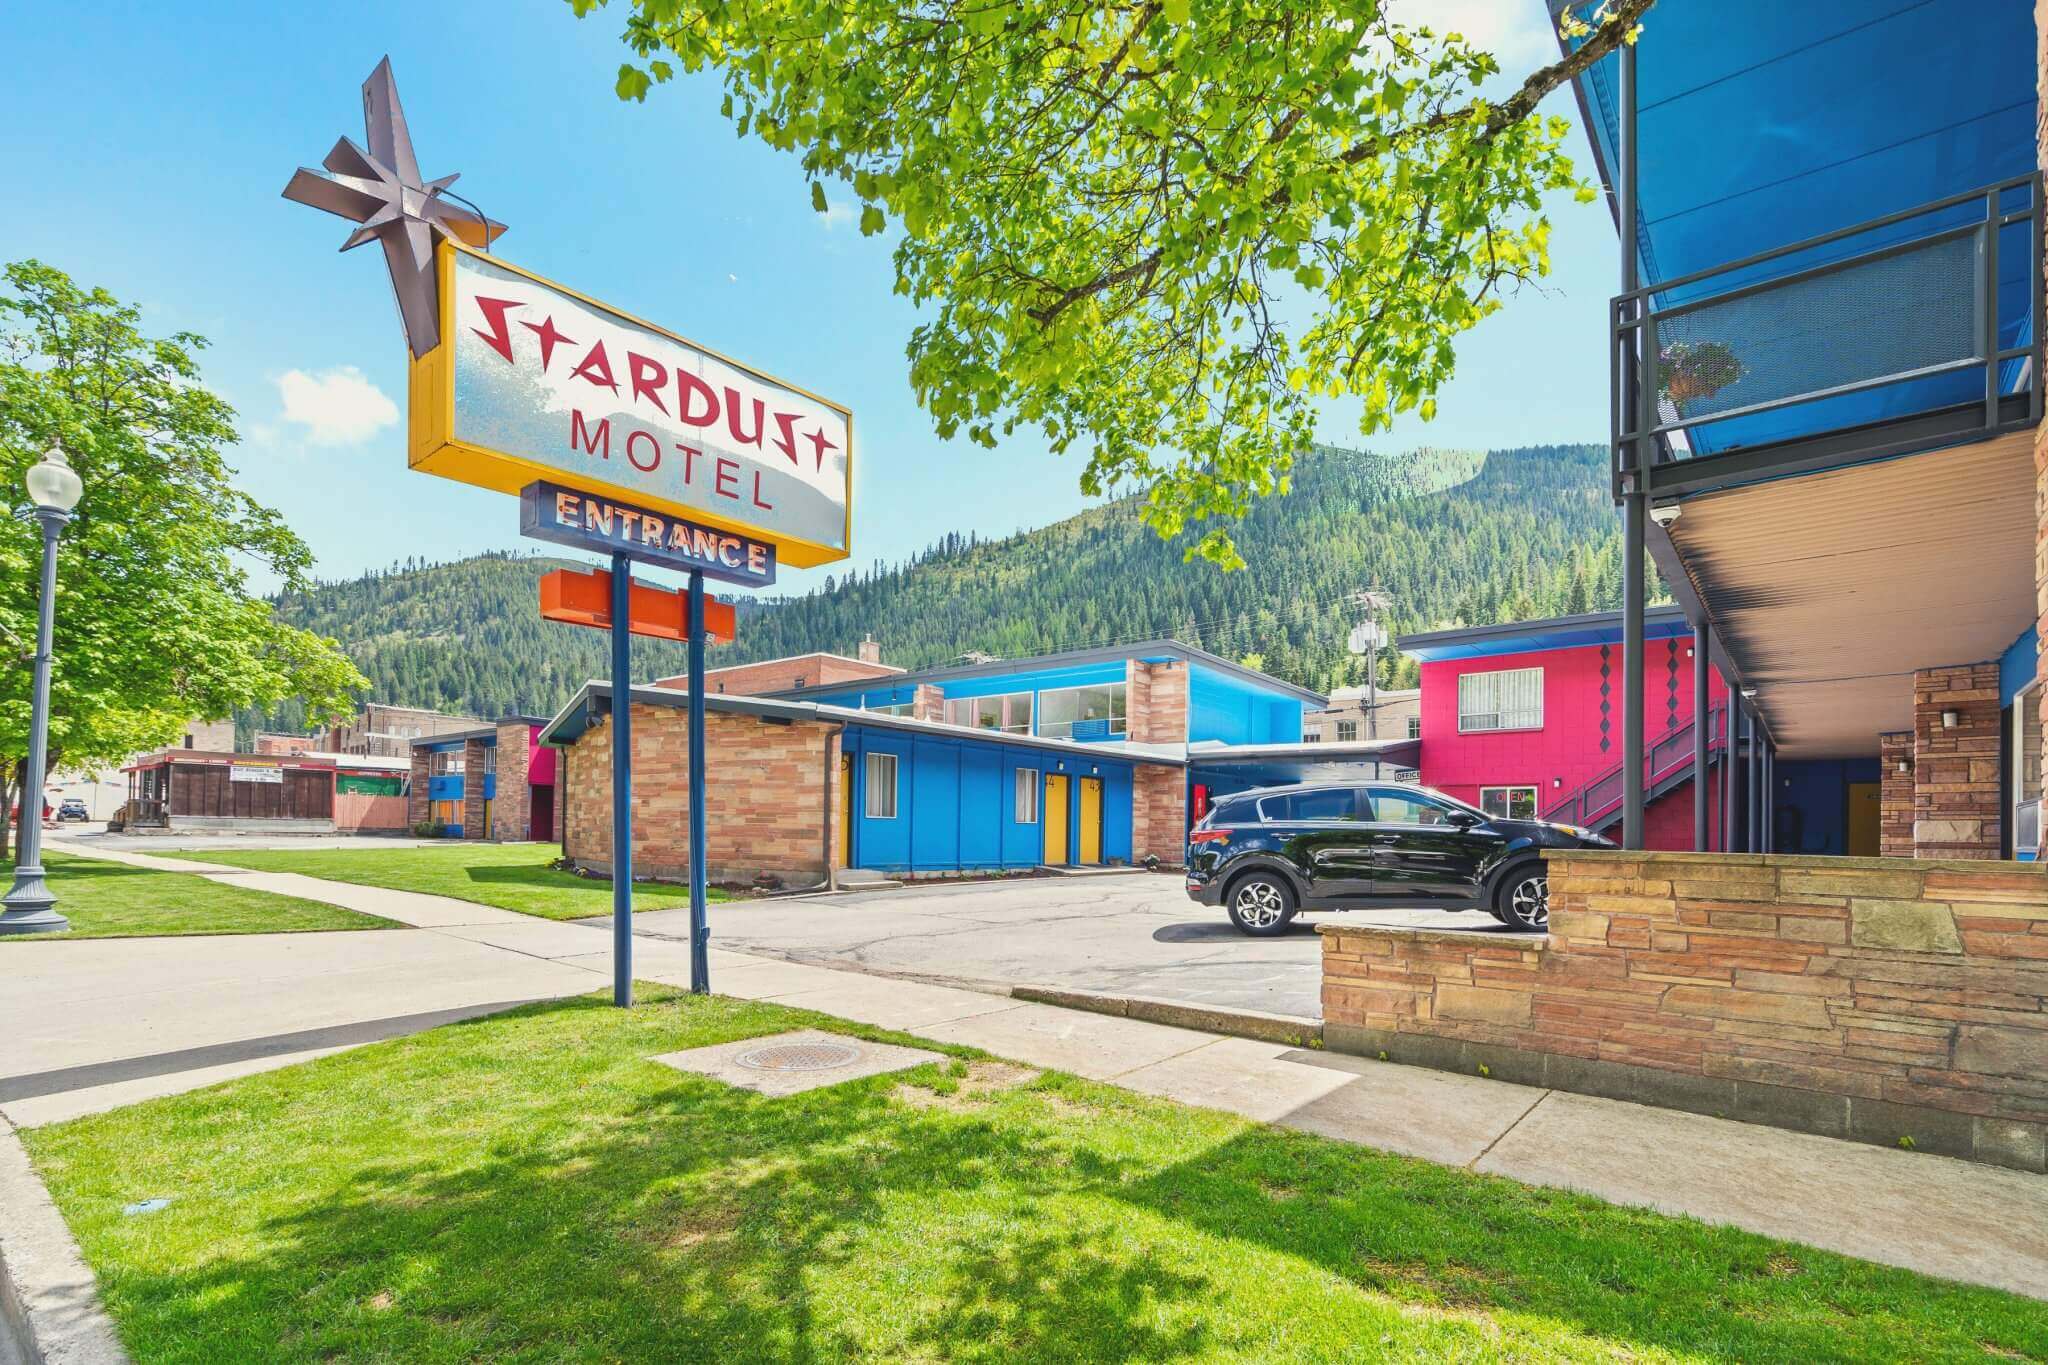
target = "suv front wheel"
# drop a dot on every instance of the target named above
(1523, 901)
(1261, 904)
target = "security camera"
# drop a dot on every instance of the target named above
(1664, 513)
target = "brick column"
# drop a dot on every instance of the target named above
(416, 804)
(1159, 806)
(473, 789)
(1955, 767)
(1156, 702)
(928, 703)
(1895, 795)
(512, 809)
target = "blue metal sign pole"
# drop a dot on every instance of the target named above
(700, 932)
(622, 777)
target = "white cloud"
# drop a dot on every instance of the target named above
(837, 216)
(1514, 31)
(337, 407)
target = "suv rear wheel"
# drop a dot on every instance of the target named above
(1523, 901)
(1261, 904)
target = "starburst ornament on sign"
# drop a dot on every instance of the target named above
(382, 190)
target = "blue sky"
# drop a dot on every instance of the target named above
(146, 146)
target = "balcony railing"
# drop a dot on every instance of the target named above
(1907, 332)
(1670, 754)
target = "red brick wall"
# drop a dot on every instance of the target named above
(1863, 997)
(1955, 770)
(768, 809)
(1156, 703)
(1895, 795)
(781, 675)
(511, 808)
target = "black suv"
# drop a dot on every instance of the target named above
(1269, 854)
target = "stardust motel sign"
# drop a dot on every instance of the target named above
(533, 381)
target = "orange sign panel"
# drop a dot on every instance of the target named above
(584, 598)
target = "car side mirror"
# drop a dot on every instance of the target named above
(1464, 819)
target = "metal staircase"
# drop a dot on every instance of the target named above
(1667, 763)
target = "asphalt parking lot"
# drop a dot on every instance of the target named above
(1133, 933)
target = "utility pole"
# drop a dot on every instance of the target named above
(1365, 639)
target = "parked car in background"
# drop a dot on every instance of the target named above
(1267, 855)
(73, 808)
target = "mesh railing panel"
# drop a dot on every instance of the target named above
(1864, 322)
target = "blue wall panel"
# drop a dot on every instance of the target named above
(2016, 667)
(1040, 680)
(956, 803)
(1223, 708)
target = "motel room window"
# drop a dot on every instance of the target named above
(1511, 699)
(1010, 713)
(1027, 796)
(1082, 712)
(1347, 731)
(901, 708)
(1508, 803)
(1415, 727)
(881, 803)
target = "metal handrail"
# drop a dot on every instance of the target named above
(1664, 756)
(1634, 319)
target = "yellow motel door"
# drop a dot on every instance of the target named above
(1863, 820)
(846, 810)
(1054, 809)
(1091, 821)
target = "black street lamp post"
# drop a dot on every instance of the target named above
(54, 488)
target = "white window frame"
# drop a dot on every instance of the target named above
(1493, 710)
(878, 764)
(1027, 796)
(1415, 727)
(1507, 810)
(1344, 725)
(1118, 717)
(963, 711)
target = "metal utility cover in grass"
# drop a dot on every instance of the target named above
(790, 1063)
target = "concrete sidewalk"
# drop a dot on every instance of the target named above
(1928, 1213)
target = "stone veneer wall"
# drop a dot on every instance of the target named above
(473, 751)
(511, 808)
(417, 806)
(1956, 770)
(1867, 998)
(927, 702)
(1159, 814)
(1895, 795)
(1156, 702)
(768, 791)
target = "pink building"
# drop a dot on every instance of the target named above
(1524, 720)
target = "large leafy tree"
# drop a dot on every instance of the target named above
(1160, 231)
(155, 624)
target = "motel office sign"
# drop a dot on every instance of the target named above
(534, 383)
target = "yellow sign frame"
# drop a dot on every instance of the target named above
(432, 447)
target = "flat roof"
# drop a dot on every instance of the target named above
(574, 719)
(1149, 650)
(1557, 632)
(887, 669)
(489, 731)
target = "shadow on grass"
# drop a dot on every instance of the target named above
(1452, 1242)
(695, 1223)
(557, 1199)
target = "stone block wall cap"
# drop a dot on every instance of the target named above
(1478, 938)
(1799, 860)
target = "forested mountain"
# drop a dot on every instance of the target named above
(1453, 536)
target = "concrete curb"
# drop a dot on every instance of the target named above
(49, 1300)
(1288, 1029)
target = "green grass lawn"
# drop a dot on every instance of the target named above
(108, 900)
(530, 1187)
(509, 876)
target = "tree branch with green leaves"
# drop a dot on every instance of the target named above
(1159, 232)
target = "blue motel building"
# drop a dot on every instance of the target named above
(822, 765)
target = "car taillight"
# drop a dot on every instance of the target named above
(1209, 836)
